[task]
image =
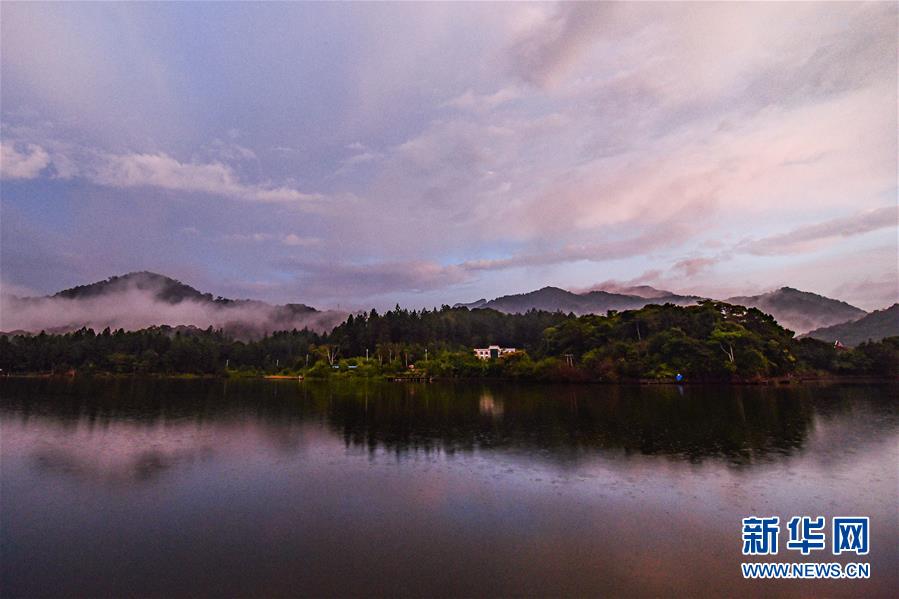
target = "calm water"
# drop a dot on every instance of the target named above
(214, 488)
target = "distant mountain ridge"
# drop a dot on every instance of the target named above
(872, 327)
(554, 299)
(800, 311)
(142, 299)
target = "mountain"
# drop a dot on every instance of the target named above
(553, 299)
(164, 289)
(142, 299)
(646, 291)
(473, 305)
(874, 326)
(161, 287)
(800, 311)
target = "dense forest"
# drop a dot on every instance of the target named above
(711, 341)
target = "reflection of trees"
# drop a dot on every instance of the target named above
(736, 423)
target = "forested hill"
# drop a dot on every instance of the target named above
(711, 341)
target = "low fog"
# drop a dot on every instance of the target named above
(133, 308)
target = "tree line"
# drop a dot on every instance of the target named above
(711, 341)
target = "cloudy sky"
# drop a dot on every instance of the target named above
(368, 154)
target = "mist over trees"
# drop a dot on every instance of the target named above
(145, 299)
(711, 341)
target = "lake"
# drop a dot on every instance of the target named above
(273, 488)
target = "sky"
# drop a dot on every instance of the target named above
(358, 155)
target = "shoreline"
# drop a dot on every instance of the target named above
(772, 381)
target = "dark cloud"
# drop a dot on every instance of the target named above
(690, 267)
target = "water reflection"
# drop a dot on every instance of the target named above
(740, 424)
(258, 488)
(135, 467)
(490, 406)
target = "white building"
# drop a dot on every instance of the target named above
(493, 352)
